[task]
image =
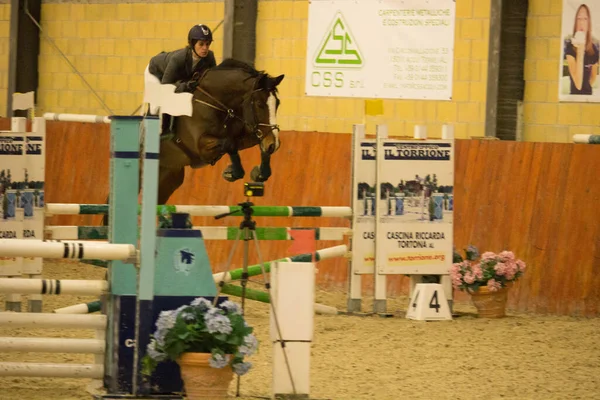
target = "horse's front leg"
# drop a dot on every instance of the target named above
(235, 170)
(263, 172)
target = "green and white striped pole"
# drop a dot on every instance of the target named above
(82, 308)
(586, 138)
(208, 211)
(253, 270)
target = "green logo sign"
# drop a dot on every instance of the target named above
(338, 49)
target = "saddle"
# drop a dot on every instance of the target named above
(225, 145)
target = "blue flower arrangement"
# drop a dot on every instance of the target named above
(202, 328)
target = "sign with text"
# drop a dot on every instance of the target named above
(22, 164)
(403, 200)
(399, 49)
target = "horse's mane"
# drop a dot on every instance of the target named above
(231, 63)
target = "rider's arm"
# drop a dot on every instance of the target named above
(175, 66)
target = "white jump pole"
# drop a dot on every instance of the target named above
(62, 250)
(293, 299)
(52, 345)
(65, 117)
(40, 370)
(52, 321)
(53, 286)
(71, 232)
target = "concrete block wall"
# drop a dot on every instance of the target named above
(110, 46)
(111, 43)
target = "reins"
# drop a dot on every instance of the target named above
(229, 115)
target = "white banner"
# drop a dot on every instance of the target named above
(415, 182)
(22, 166)
(578, 73)
(399, 49)
(410, 186)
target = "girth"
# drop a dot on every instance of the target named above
(193, 158)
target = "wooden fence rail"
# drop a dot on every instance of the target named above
(539, 200)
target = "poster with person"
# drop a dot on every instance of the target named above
(578, 75)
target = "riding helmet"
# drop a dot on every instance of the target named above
(199, 32)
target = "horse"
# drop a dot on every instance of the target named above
(234, 108)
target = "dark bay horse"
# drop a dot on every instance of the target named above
(234, 108)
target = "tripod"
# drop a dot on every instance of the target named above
(248, 231)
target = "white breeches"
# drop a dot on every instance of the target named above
(148, 77)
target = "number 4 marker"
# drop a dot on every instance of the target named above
(428, 303)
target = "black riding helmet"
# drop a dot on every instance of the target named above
(199, 32)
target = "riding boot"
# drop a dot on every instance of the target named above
(167, 124)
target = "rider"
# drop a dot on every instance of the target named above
(179, 66)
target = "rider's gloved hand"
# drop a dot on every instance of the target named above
(186, 86)
(192, 85)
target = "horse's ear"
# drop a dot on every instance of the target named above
(277, 80)
(269, 83)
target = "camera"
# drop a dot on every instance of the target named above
(254, 189)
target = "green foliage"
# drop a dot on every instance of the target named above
(202, 328)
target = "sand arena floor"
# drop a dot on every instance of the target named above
(355, 358)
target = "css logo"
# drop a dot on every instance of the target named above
(327, 79)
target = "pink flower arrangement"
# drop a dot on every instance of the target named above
(492, 270)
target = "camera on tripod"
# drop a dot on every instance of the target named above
(254, 189)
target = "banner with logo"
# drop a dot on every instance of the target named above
(403, 201)
(579, 56)
(22, 163)
(416, 184)
(399, 49)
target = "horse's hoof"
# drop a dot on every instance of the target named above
(257, 176)
(230, 175)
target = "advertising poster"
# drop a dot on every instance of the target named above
(12, 175)
(21, 195)
(579, 56)
(33, 202)
(397, 49)
(363, 206)
(403, 201)
(415, 200)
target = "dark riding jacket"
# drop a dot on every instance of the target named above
(175, 67)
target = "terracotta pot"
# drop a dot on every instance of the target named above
(201, 381)
(490, 304)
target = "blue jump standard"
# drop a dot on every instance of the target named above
(174, 267)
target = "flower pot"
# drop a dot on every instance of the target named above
(201, 381)
(490, 304)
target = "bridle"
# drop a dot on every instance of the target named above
(253, 126)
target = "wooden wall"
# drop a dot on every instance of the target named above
(539, 200)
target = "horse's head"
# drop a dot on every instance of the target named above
(249, 99)
(260, 112)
